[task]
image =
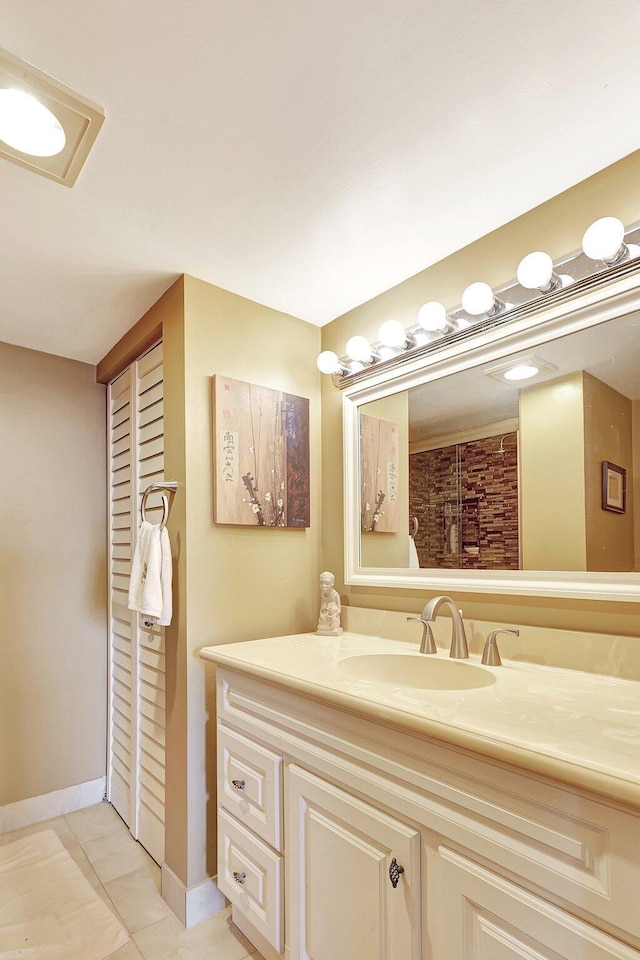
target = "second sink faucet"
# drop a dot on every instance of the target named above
(459, 648)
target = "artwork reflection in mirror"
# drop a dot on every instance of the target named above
(379, 475)
(507, 475)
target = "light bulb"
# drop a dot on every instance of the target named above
(359, 348)
(329, 362)
(524, 371)
(604, 240)
(28, 126)
(479, 299)
(432, 316)
(535, 272)
(393, 334)
(386, 353)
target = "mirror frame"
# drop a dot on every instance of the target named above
(613, 299)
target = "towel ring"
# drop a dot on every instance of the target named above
(165, 511)
(170, 486)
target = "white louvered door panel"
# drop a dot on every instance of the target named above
(150, 641)
(122, 680)
(137, 658)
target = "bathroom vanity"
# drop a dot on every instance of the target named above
(361, 818)
(375, 802)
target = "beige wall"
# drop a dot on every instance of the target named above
(52, 574)
(608, 436)
(568, 426)
(243, 582)
(556, 226)
(552, 475)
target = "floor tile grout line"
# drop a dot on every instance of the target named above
(134, 935)
(142, 866)
(117, 823)
(100, 836)
(111, 906)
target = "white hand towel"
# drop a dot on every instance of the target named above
(414, 563)
(139, 567)
(151, 575)
(152, 586)
(166, 577)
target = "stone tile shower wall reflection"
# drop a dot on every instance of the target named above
(465, 498)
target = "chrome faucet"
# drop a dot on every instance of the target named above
(459, 648)
(428, 644)
(491, 654)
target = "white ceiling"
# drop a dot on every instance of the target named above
(465, 401)
(307, 155)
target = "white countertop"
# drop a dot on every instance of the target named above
(583, 729)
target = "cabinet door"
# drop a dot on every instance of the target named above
(473, 914)
(339, 852)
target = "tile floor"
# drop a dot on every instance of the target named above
(128, 881)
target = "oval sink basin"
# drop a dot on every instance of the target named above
(421, 671)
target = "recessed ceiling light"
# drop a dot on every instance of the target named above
(28, 126)
(44, 126)
(524, 371)
(521, 368)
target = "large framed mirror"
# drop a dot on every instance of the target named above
(458, 477)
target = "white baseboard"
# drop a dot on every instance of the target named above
(24, 813)
(191, 905)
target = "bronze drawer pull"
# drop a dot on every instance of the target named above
(394, 873)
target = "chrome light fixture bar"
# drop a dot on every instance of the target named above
(608, 251)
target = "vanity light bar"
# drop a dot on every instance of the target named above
(608, 250)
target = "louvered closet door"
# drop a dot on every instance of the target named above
(137, 659)
(121, 656)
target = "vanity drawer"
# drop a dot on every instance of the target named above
(250, 874)
(250, 784)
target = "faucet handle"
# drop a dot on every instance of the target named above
(427, 644)
(491, 654)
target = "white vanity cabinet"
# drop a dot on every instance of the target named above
(319, 804)
(474, 914)
(346, 896)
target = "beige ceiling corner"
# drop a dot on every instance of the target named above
(80, 118)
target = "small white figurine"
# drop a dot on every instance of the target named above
(330, 607)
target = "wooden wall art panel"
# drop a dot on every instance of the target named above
(261, 463)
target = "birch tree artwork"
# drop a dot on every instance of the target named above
(261, 455)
